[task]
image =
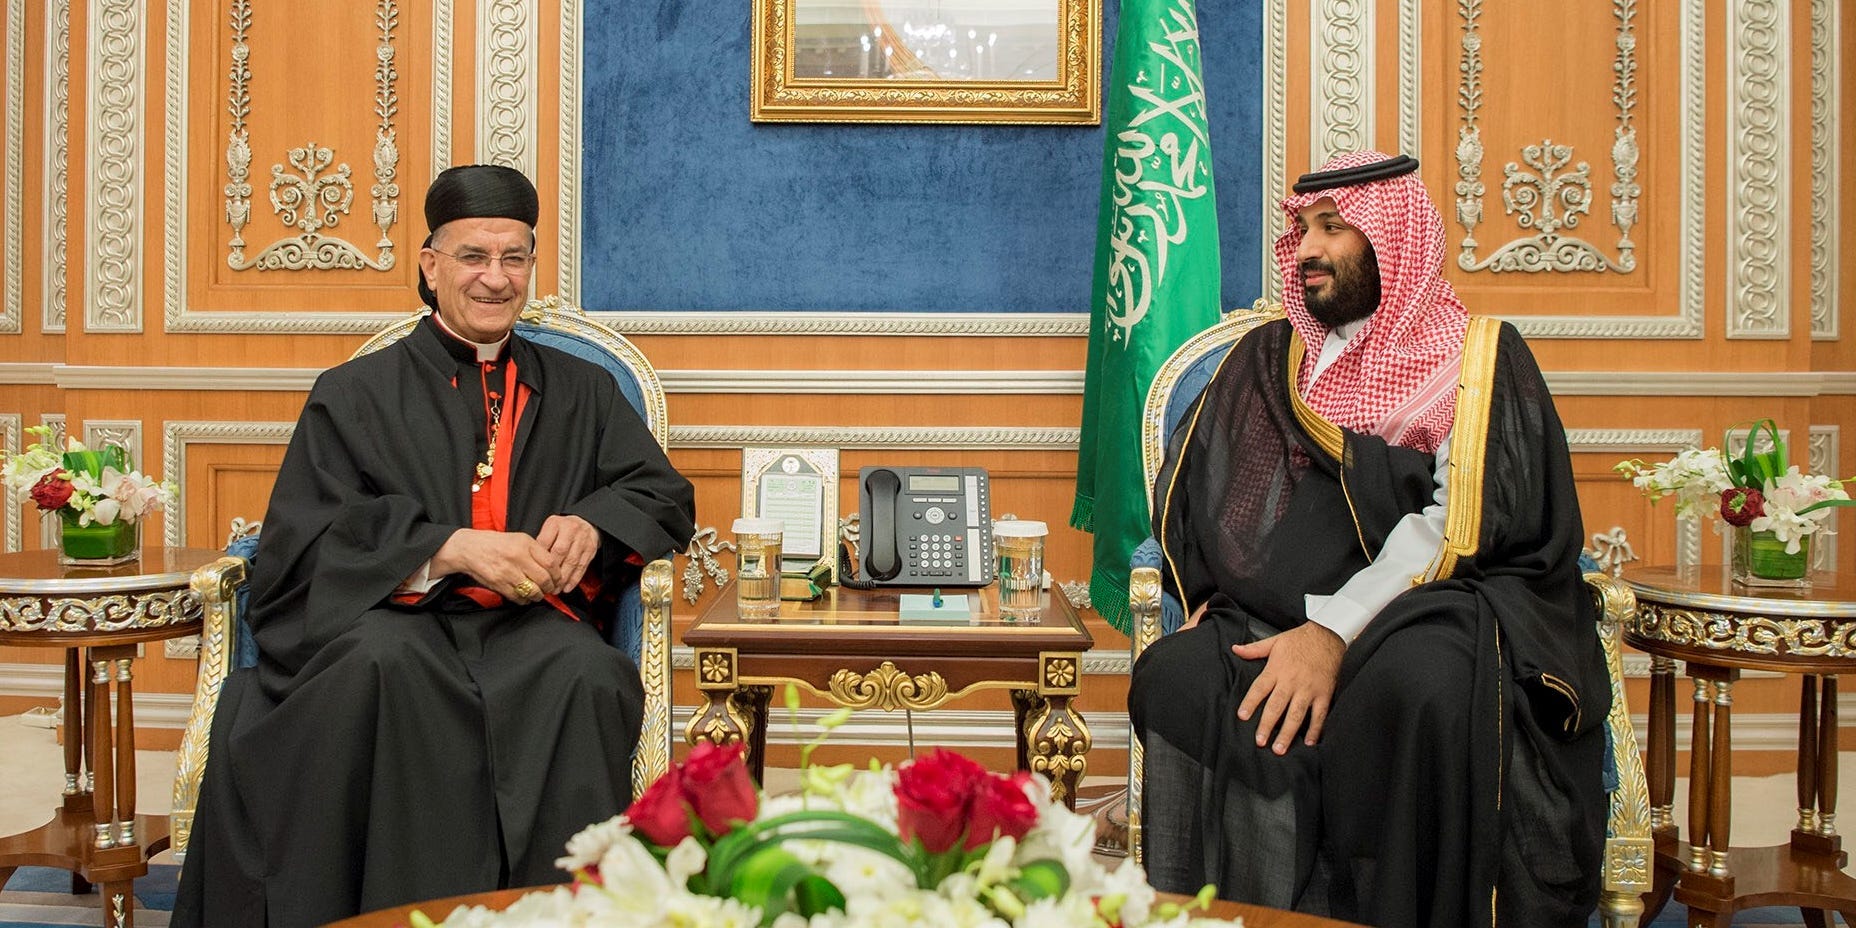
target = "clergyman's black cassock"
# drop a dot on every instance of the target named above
(1459, 775)
(382, 753)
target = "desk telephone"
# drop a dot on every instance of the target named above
(925, 526)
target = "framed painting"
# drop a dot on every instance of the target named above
(928, 61)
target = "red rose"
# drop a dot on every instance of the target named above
(51, 492)
(1000, 809)
(1741, 505)
(662, 815)
(933, 796)
(717, 785)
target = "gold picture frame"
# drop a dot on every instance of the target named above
(800, 486)
(793, 80)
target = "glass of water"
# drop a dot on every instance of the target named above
(757, 567)
(1020, 545)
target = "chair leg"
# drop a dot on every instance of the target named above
(1620, 909)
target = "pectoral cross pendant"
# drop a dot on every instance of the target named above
(483, 473)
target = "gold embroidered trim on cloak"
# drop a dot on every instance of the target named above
(1469, 444)
(1166, 503)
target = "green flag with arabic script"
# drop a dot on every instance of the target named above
(1156, 272)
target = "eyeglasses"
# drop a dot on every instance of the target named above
(476, 261)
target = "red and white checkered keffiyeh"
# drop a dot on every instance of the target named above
(1397, 376)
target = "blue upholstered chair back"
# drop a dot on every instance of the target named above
(545, 322)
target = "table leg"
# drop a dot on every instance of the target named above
(1721, 773)
(1698, 769)
(125, 752)
(1807, 754)
(73, 723)
(119, 904)
(751, 703)
(719, 720)
(1024, 702)
(1662, 742)
(1056, 736)
(1827, 760)
(102, 792)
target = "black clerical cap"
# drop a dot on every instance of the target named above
(1348, 177)
(477, 191)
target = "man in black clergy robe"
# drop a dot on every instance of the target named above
(1387, 704)
(435, 710)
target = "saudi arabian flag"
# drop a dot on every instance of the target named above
(1156, 272)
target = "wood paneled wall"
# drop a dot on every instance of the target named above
(1713, 138)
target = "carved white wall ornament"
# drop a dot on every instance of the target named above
(14, 235)
(1275, 138)
(1758, 159)
(1545, 199)
(1826, 36)
(567, 278)
(1647, 443)
(113, 171)
(506, 91)
(441, 85)
(307, 195)
(57, 159)
(1410, 76)
(1823, 460)
(10, 431)
(1341, 59)
(177, 436)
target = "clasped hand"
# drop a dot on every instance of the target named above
(1296, 685)
(520, 567)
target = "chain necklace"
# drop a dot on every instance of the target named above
(492, 419)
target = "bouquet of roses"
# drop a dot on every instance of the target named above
(939, 841)
(1757, 489)
(91, 486)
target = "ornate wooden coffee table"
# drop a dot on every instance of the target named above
(99, 616)
(1699, 616)
(854, 648)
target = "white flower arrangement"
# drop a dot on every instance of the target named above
(97, 487)
(621, 884)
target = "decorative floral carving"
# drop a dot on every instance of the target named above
(307, 195)
(701, 554)
(887, 688)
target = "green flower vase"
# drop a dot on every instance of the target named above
(1760, 560)
(97, 545)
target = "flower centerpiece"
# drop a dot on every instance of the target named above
(939, 841)
(98, 495)
(1773, 508)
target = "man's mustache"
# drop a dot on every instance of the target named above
(1314, 265)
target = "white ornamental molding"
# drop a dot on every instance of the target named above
(51, 531)
(1410, 77)
(441, 85)
(13, 243)
(1341, 98)
(9, 441)
(1542, 193)
(178, 436)
(1823, 460)
(307, 194)
(113, 169)
(1758, 159)
(124, 433)
(567, 204)
(1275, 142)
(979, 438)
(57, 159)
(506, 91)
(1826, 210)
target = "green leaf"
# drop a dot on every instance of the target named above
(814, 894)
(1041, 879)
(765, 879)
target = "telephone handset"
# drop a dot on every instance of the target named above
(925, 526)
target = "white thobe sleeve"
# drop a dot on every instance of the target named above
(1408, 551)
(420, 581)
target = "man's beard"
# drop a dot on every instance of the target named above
(1352, 292)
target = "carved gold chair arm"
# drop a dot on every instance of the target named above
(217, 586)
(1630, 852)
(652, 758)
(1144, 609)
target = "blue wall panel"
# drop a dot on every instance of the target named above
(690, 206)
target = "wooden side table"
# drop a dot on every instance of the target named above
(1699, 616)
(99, 616)
(853, 648)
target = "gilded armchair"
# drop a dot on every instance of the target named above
(1628, 846)
(642, 626)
